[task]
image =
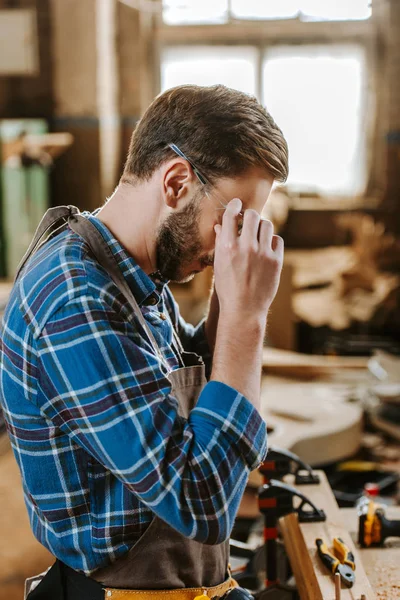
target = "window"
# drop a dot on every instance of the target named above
(177, 12)
(316, 91)
(315, 94)
(233, 66)
(324, 10)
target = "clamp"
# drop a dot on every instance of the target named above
(275, 500)
(281, 462)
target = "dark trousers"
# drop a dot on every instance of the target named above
(63, 583)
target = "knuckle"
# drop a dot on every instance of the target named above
(272, 259)
(267, 223)
(251, 214)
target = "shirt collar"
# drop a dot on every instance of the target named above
(147, 289)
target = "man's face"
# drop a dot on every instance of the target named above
(186, 239)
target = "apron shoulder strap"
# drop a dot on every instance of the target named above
(101, 250)
(49, 220)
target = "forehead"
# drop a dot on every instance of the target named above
(252, 187)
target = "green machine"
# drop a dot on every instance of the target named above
(24, 190)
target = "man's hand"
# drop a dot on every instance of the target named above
(247, 267)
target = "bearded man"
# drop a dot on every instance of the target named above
(135, 432)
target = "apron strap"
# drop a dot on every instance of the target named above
(101, 250)
(51, 217)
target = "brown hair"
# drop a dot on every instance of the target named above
(223, 131)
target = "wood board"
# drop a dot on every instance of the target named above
(312, 577)
(296, 364)
(315, 421)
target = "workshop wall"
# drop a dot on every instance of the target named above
(74, 52)
(392, 89)
(31, 96)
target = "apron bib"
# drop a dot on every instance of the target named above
(162, 558)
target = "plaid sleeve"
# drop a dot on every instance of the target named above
(102, 385)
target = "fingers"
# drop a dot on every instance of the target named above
(266, 234)
(217, 229)
(256, 231)
(230, 220)
(277, 245)
(251, 224)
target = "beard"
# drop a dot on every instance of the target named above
(178, 243)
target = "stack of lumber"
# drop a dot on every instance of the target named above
(340, 286)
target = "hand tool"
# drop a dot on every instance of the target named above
(342, 561)
(373, 526)
(281, 462)
(275, 500)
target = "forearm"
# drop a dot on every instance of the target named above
(238, 354)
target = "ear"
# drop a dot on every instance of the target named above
(178, 179)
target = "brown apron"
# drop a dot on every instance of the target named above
(162, 558)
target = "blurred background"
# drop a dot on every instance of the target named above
(76, 75)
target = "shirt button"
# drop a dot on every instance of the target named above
(153, 301)
(163, 316)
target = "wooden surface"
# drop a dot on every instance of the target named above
(382, 565)
(21, 556)
(307, 366)
(314, 580)
(314, 420)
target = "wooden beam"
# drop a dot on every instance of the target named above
(279, 31)
(313, 579)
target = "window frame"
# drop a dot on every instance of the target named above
(263, 34)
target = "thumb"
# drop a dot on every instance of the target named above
(217, 229)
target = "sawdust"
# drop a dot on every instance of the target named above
(385, 579)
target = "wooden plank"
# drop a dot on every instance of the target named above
(296, 364)
(298, 552)
(312, 577)
(270, 31)
(315, 421)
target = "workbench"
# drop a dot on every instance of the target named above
(382, 565)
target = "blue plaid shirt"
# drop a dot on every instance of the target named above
(91, 418)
